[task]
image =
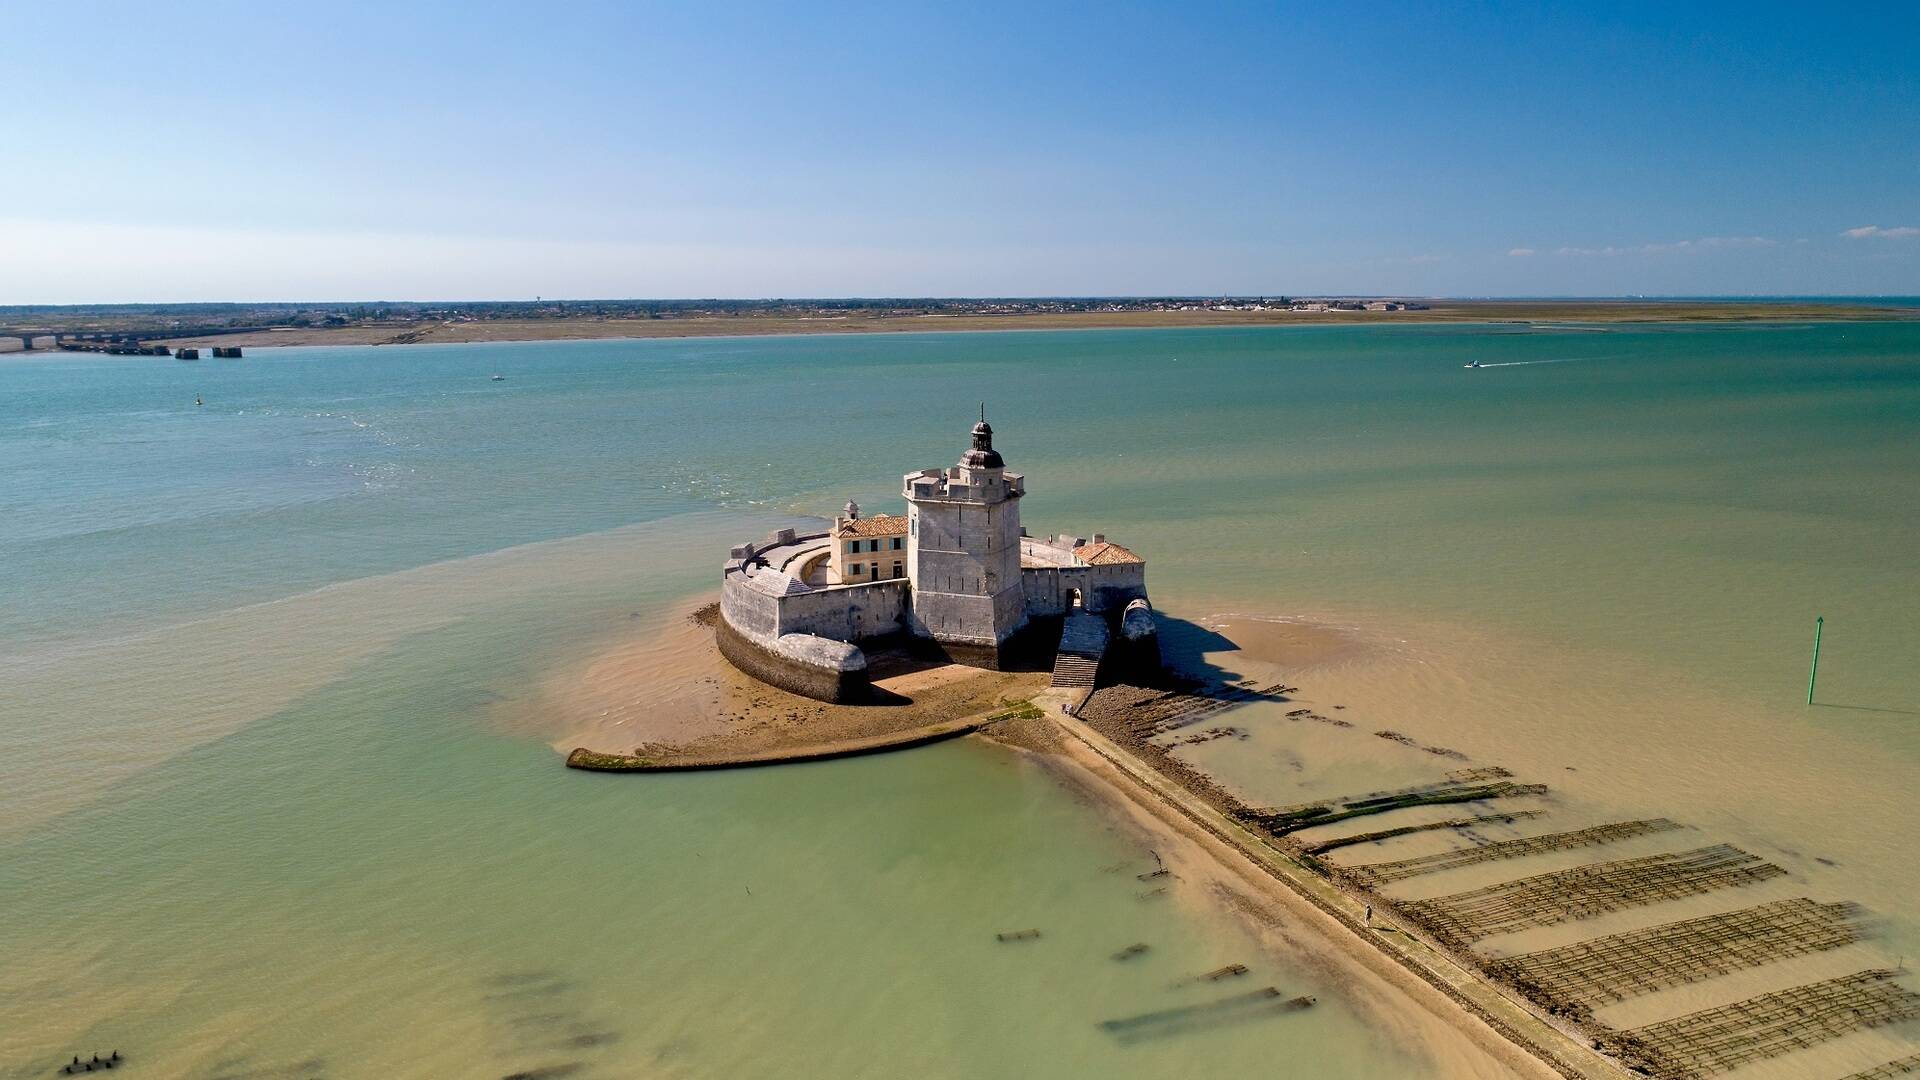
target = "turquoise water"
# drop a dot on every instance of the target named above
(258, 812)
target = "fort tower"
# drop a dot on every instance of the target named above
(956, 574)
(963, 553)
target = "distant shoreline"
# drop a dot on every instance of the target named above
(1442, 312)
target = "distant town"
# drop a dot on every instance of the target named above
(193, 320)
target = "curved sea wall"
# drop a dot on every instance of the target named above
(846, 612)
(810, 666)
(805, 638)
(1137, 650)
(799, 638)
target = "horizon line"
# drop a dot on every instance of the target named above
(981, 298)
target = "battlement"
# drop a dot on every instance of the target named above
(962, 484)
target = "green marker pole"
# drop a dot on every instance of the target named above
(1818, 622)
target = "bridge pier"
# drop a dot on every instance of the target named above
(26, 342)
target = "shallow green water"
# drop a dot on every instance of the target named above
(254, 814)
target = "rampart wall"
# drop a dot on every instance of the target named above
(1103, 589)
(847, 613)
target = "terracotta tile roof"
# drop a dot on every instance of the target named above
(1103, 554)
(880, 525)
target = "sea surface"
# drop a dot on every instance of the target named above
(260, 815)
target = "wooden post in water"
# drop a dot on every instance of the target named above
(1818, 622)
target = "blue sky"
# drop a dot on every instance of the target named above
(200, 151)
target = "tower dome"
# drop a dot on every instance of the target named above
(983, 455)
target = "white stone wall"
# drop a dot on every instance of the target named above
(1048, 590)
(754, 614)
(847, 613)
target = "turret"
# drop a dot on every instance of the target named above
(963, 552)
(983, 455)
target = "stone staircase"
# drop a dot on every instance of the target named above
(1083, 641)
(1074, 670)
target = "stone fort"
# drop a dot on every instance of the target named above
(956, 576)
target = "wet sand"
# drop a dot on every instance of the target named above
(665, 693)
(1216, 767)
(1331, 738)
(1216, 877)
(1296, 645)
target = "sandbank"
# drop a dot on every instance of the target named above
(663, 693)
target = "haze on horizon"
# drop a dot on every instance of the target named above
(222, 151)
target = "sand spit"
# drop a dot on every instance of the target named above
(664, 695)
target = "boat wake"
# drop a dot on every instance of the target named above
(1524, 363)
